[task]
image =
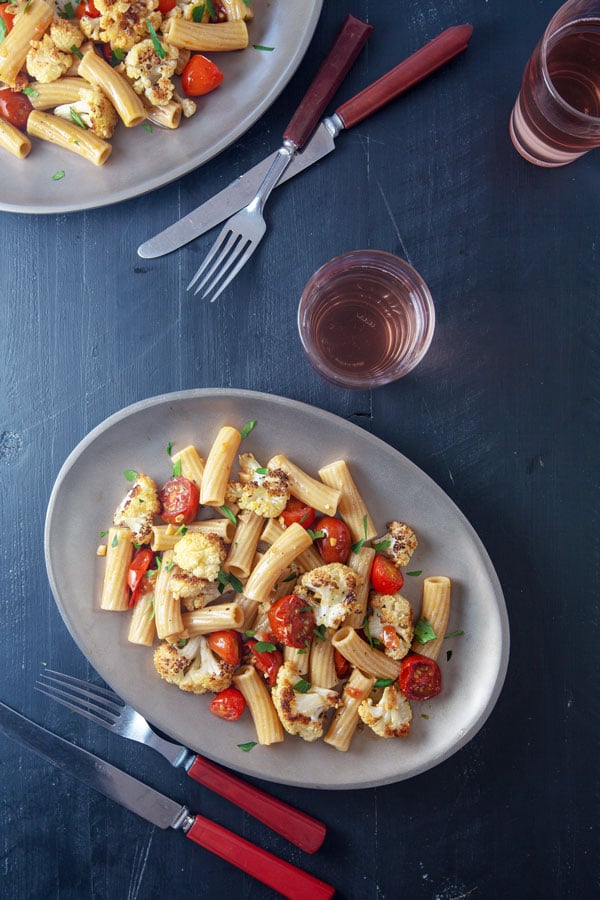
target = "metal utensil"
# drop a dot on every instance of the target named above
(160, 810)
(243, 232)
(106, 708)
(240, 192)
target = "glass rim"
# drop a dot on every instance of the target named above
(550, 32)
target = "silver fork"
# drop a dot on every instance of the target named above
(106, 708)
(242, 233)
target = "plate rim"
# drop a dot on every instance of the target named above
(185, 167)
(337, 420)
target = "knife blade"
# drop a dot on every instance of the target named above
(239, 193)
(160, 810)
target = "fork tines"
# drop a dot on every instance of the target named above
(99, 704)
(229, 254)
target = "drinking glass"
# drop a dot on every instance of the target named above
(556, 117)
(366, 318)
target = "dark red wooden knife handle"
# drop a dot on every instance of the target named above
(334, 69)
(297, 827)
(278, 874)
(423, 62)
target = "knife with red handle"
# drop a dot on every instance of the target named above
(239, 193)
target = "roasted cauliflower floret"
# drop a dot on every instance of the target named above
(193, 592)
(301, 712)
(402, 542)
(95, 111)
(391, 622)
(138, 508)
(264, 491)
(66, 34)
(391, 716)
(122, 24)
(331, 589)
(45, 62)
(151, 74)
(200, 554)
(192, 666)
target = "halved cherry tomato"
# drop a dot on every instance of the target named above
(138, 567)
(386, 577)
(228, 645)
(228, 704)
(268, 662)
(165, 6)
(336, 544)
(292, 621)
(297, 511)
(420, 677)
(15, 107)
(200, 76)
(7, 12)
(87, 8)
(342, 666)
(179, 499)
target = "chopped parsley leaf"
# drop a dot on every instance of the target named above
(248, 428)
(248, 746)
(424, 632)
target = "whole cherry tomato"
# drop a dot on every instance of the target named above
(179, 500)
(386, 577)
(200, 76)
(266, 661)
(165, 6)
(15, 107)
(228, 704)
(87, 8)
(297, 511)
(336, 544)
(138, 567)
(292, 621)
(228, 645)
(7, 12)
(342, 667)
(420, 677)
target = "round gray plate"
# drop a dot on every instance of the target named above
(143, 161)
(89, 487)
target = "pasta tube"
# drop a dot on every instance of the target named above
(436, 609)
(55, 93)
(213, 618)
(307, 560)
(275, 561)
(265, 718)
(218, 465)
(321, 664)
(351, 506)
(298, 657)
(68, 135)
(210, 38)
(119, 553)
(243, 547)
(370, 661)
(29, 25)
(312, 492)
(361, 563)
(192, 464)
(127, 103)
(14, 140)
(164, 537)
(167, 607)
(142, 628)
(345, 720)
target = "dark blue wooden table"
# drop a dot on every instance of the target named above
(503, 415)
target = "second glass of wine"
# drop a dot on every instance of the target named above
(556, 117)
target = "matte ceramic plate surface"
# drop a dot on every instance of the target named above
(143, 161)
(91, 484)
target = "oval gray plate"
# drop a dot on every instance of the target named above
(142, 161)
(91, 483)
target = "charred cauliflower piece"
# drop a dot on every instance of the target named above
(402, 542)
(262, 491)
(391, 622)
(193, 592)
(193, 667)
(301, 712)
(138, 508)
(331, 589)
(95, 111)
(122, 24)
(200, 554)
(45, 62)
(390, 717)
(66, 34)
(151, 74)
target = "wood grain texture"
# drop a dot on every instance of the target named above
(503, 414)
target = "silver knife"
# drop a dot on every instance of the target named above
(240, 192)
(161, 811)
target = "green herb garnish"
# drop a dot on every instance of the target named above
(454, 634)
(58, 175)
(262, 471)
(77, 118)
(248, 746)
(147, 127)
(415, 573)
(177, 468)
(103, 533)
(169, 447)
(181, 530)
(198, 12)
(130, 474)
(227, 512)
(248, 428)
(315, 535)
(225, 578)
(115, 540)
(31, 92)
(356, 548)
(249, 632)
(424, 632)
(76, 51)
(264, 647)
(383, 682)
(302, 686)
(381, 545)
(262, 47)
(320, 632)
(181, 644)
(158, 47)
